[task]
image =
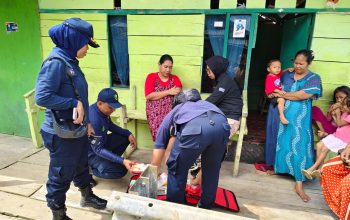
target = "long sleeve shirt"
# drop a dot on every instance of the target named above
(102, 124)
(55, 91)
(227, 97)
(179, 115)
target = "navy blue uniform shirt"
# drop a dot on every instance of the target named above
(179, 115)
(102, 124)
(54, 89)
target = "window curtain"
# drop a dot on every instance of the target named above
(119, 47)
(216, 34)
(236, 45)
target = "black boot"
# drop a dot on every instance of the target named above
(89, 199)
(60, 214)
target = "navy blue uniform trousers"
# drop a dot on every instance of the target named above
(206, 135)
(68, 162)
(107, 169)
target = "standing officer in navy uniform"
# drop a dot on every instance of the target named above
(61, 87)
(201, 129)
(105, 158)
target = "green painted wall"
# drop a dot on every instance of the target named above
(20, 61)
(165, 4)
(322, 4)
(149, 37)
(285, 3)
(96, 64)
(227, 3)
(255, 3)
(331, 44)
(76, 4)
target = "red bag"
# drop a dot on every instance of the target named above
(226, 199)
(193, 194)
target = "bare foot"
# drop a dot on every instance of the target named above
(284, 120)
(270, 172)
(300, 191)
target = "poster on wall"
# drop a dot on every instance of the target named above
(11, 27)
(239, 27)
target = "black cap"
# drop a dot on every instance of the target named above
(83, 27)
(110, 97)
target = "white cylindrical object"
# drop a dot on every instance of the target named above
(147, 208)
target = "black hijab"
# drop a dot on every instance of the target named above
(218, 65)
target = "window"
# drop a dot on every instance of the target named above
(214, 38)
(118, 41)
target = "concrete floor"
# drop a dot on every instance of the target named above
(23, 173)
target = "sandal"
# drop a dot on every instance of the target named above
(263, 167)
(317, 174)
(306, 174)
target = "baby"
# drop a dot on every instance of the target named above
(273, 84)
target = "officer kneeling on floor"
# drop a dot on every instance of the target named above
(201, 129)
(105, 158)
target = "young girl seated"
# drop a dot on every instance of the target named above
(334, 142)
(325, 123)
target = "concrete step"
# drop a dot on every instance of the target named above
(28, 208)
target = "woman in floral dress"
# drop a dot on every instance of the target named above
(160, 88)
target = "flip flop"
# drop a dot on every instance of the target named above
(260, 167)
(263, 167)
(317, 174)
(306, 174)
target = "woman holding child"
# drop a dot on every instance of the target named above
(294, 149)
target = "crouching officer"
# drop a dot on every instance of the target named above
(105, 158)
(201, 129)
(61, 87)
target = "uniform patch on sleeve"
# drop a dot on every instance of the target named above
(221, 89)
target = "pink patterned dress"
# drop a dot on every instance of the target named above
(156, 110)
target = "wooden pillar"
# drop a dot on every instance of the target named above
(242, 131)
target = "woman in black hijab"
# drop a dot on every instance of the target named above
(226, 95)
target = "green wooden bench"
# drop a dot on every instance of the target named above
(124, 116)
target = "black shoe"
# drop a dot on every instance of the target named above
(93, 183)
(89, 199)
(60, 214)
